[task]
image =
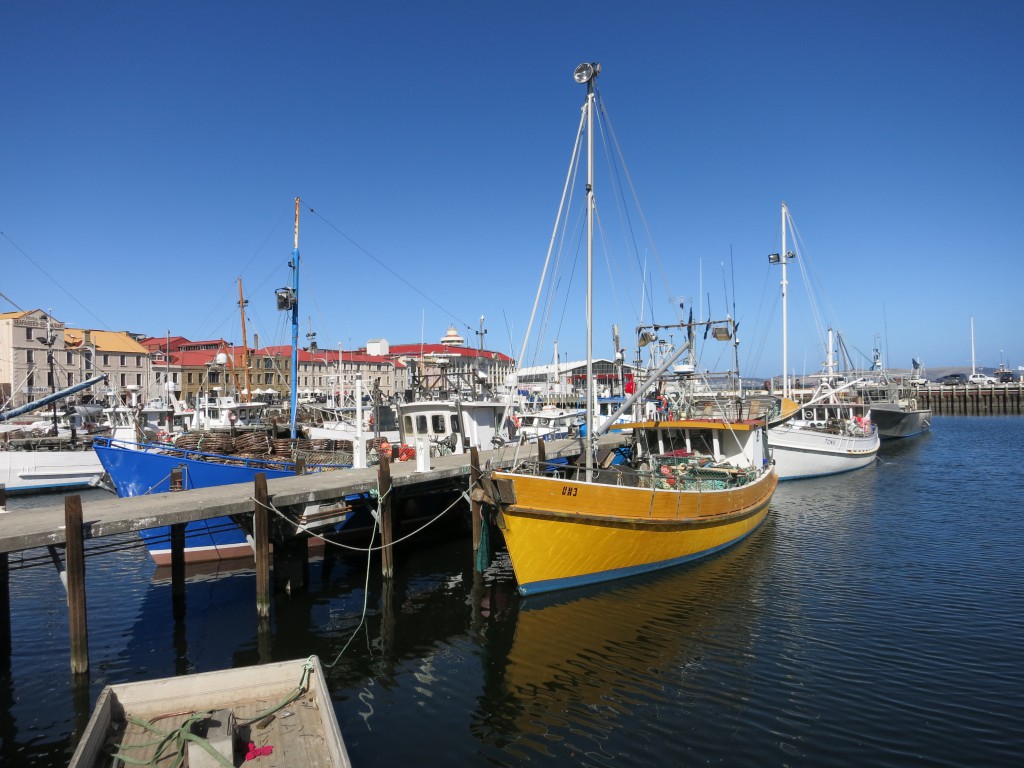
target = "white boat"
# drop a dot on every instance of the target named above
(823, 437)
(36, 459)
(892, 407)
(550, 423)
(275, 714)
(451, 426)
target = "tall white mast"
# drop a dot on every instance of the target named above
(785, 317)
(972, 346)
(585, 73)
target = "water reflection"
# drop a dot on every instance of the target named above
(600, 669)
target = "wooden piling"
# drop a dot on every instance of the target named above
(387, 559)
(5, 591)
(75, 559)
(177, 555)
(476, 507)
(5, 610)
(178, 570)
(261, 536)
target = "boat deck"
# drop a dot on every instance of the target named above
(295, 733)
(280, 713)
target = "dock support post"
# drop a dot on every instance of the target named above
(75, 559)
(5, 594)
(476, 508)
(178, 570)
(387, 555)
(261, 536)
(177, 555)
(5, 611)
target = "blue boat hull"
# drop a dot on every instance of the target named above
(143, 469)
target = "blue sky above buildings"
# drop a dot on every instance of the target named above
(151, 153)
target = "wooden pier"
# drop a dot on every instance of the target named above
(311, 501)
(994, 400)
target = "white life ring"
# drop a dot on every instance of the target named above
(808, 415)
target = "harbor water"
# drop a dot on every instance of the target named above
(875, 619)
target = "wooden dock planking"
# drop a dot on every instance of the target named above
(44, 526)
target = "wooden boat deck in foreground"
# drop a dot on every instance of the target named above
(303, 732)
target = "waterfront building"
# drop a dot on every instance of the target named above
(450, 366)
(32, 341)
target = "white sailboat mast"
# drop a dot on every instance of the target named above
(590, 270)
(785, 317)
(972, 347)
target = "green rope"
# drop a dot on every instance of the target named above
(178, 737)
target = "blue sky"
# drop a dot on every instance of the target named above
(151, 153)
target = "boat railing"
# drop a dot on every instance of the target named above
(692, 472)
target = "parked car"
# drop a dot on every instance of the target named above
(918, 382)
(952, 379)
(1005, 377)
(981, 379)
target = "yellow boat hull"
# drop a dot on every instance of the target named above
(562, 533)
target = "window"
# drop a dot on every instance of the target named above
(106, 360)
(191, 380)
(88, 361)
(124, 360)
(71, 380)
(408, 425)
(421, 425)
(174, 376)
(124, 379)
(28, 334)
(268, 363)
(70, 358)
(455, 424)
(138, 361)
(30, 356)
(138, 379)
(437, 424)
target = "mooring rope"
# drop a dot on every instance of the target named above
(368, 550)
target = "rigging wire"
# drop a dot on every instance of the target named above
(629, 179)
(52, 280)
(380, 263)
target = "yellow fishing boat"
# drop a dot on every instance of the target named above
(686, 489)
(677, 505)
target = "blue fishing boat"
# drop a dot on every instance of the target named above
(142, 468)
